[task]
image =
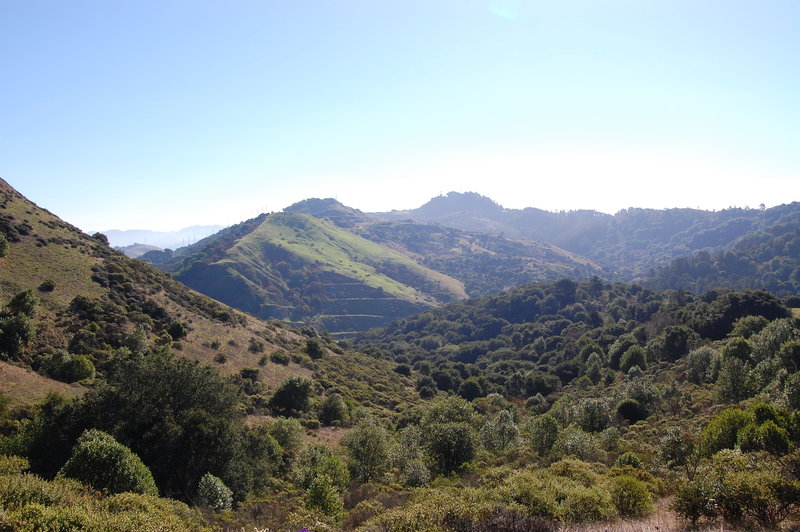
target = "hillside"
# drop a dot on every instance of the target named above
(632, 242)
(323, 263)
(88, 302)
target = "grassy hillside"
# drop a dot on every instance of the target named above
(297, 267)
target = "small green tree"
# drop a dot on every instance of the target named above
(722, 431)
(323, 496)
(314, 348)
(105, 464)
(630, 496)
(213, 493)
(16, 332)
(450, 445)
(634, 356)
(316, 460)
(294, 393)
(500, 433)
(25, 302)
(543, 433)
(367, 447)
(333, 410)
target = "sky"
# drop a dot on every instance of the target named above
(161, 114)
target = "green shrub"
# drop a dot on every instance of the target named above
(586, 504)
(764, 437)
(322, 495)
(631, 411)
(213, 493)
(108, 466)
(47, 286)
(630, 496)
(722, 431)
(280, 357)
(542, 433)
(333, 410)
(628, 459)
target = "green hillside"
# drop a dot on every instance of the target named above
(297, 267)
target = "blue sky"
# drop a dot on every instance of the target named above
(162, 114)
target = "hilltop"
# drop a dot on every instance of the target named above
(633, 242)
(324, 263)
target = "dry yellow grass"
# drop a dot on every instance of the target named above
(27, 387)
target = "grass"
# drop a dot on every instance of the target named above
(320, 243)
(26, 388)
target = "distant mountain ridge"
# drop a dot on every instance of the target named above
(160, 239)
(632, 242)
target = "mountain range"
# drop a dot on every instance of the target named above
(323, 263)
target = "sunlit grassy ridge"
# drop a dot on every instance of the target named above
(330, 248)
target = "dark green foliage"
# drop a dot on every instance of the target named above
(792, 390)
(500, 433)
(700, 365)
(315, 460)
(177, 330)
(450, 445)
(333, 410)
(631, 411)
(314, 348)
(543, 433)
(16, 332)
(470, 389)
(737, 347)
(790, 355)
(293, 394)
(619, 347)
(280, 357)
(722, 431)
(25, 302)
(65, 367)
(679, 448)
(47, 286)
(3, 244)
(672, 343)
(323, 496)
(634, 356)
(629, 459)
(734, 382)
(766, 436)
(108, 466)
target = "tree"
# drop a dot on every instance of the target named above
(634, 356)
(213, 493)
(734, 382)
(500, 433)
(367, 447)
(543, 432)
(679, 449)
(333, 410)
(293, 394)
(722, 431)
(314, 348)
(25, 302)
(315, 460)
(16, 332)
(108, 466)
(322, 495)
(450, 445)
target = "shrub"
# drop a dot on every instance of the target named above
(213, 493)
(630, 496)
(66, 367)
(543, 433)
(105, 464)
(450, 445)
(333, 410)
(631, 411)
(25, 302)
(586, 504)
(722, 431)
(367, 446)
(764, 437)
(3, 244)
(322, 495)
(47, 286)
(294, 393)
(628, 459)
(634, 356)
(280, 357)
(315, 460)
(314, 349)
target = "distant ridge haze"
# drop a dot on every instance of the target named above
(162, 239)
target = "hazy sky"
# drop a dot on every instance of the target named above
(158, 114)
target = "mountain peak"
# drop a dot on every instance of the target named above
(330, 208)
(463, 202)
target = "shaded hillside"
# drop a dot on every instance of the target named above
(768, 258)
(631, 242)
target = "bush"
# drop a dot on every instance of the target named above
(333, 410)
(631, 411)
(722, 431)
(3, 245)
(543, 433)
(108, 466)
(634, 356)
(294, 393)
(322, 495)
(66, 367)
(586, 504)
(765, 437)
(314, 349)
(213, 493)
(630, 496)
(280, 357)
(47, 286)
